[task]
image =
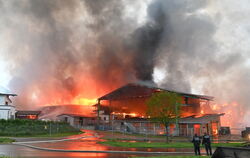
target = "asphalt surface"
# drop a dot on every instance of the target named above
(84, 145)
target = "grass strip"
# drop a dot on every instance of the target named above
(162, 144)
(56, 135)
(6, 140)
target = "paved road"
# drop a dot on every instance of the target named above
(89, 143)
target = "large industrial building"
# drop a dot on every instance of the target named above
(125, 109)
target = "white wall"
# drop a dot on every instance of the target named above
(2, 100)
(70, 119)
(4, 114)
(7, 112)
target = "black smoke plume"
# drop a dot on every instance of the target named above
(58, 50)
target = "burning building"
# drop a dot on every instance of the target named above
(29, 115)
(127, 105)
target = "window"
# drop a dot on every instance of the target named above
(186, 100)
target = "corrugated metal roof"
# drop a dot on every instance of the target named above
(139, 90)
(206, 118)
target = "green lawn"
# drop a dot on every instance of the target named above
(6, 140)
(148, 136)
(118, 143)
(58, 134)
(175, 157)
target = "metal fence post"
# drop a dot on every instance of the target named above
(50, 128)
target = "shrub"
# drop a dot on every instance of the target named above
(20, 127)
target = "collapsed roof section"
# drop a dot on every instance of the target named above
(139, 90)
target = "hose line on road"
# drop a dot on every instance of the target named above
(100, 151)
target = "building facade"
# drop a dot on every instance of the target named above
(127, 111)
(28, 115)
(7, 110)
(78, 121)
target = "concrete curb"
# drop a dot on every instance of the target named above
(58, 140)
(49, 141)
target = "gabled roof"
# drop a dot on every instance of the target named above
(139, 90)
(4, 91)
(75, 115)
(28, 112)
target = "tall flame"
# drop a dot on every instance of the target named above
(233, 113)
(84, 101)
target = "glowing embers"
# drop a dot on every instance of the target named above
(197, 128)
(32, 117)
(124, 115)
(202, 111)
(214, 128)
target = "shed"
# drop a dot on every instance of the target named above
(30, 115)
(78, 121)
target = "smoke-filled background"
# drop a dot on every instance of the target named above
(61, 51)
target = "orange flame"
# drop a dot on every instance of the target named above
(84, 101)
(232, 111)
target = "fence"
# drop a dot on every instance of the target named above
(144, 127)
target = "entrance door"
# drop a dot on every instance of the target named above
(197, 129)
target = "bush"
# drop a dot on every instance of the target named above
(20, 127)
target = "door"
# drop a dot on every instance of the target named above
(197, 129)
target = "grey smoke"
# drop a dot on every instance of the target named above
(66, 46)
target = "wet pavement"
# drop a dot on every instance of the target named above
(89, 143)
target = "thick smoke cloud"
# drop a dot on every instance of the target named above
(59, 50)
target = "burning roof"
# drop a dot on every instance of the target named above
(140, 90)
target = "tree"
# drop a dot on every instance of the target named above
(164, 107)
